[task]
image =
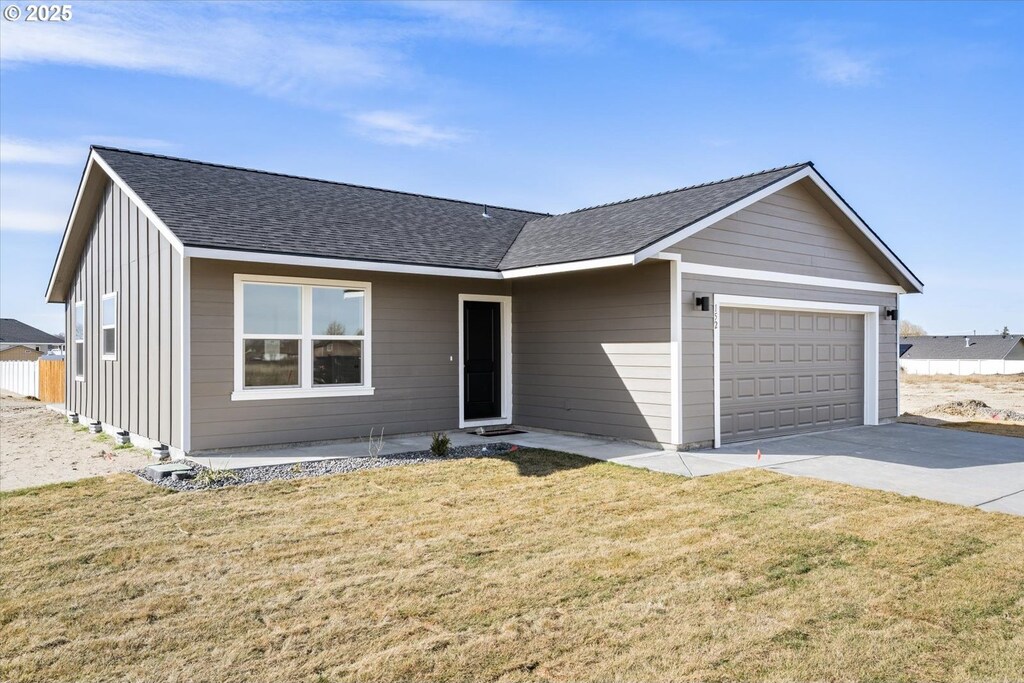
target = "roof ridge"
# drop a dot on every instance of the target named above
(688, 187)
(311, 179)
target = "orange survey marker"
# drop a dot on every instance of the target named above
(758, 453)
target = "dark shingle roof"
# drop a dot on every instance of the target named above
(16, 332)
(628, 226)
(983, 347)
(224, 207)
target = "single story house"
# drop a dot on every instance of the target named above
(985, 354)
(214, 307)
(19, 341)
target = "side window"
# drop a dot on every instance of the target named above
(108, 324)
(79, 339)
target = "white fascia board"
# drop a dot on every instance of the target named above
(606, 262)
(342, 264)
(143, 207)
(823, 185)
(89, 165)
(786, 278)
(708, 221)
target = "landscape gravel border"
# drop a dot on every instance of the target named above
(317, 468)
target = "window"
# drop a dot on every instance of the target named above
(300, 337)
(108, 325)
(79, 339)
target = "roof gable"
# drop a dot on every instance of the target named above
(627, 227)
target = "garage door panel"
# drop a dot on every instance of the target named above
(785, 372)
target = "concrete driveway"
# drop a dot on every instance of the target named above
(948, 465)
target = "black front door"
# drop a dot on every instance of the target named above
(481, 351)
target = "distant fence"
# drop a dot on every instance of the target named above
(20, 377)
(962, 367)
(51, 381)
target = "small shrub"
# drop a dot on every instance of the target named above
(439, 444)
(213, 476)
(297, 468)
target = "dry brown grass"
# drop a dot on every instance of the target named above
(541, 566)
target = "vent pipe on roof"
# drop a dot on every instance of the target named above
(485, 214)
(967, 342)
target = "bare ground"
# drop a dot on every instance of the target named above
(38, 446)
(946, 401)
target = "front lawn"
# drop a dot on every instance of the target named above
(537, 565)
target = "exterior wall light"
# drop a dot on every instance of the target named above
(702, 303)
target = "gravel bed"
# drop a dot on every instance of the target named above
(318, 468)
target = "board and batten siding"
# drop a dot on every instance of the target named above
(140, 391)
(415, 339)
(591, 352)
(786, 232)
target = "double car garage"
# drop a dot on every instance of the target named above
(795, 368)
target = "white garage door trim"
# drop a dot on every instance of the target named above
(870, 314)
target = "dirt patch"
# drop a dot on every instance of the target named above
(973, 408)
(38, 446)
(993, 404)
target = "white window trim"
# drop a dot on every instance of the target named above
(506, 361)
(306, 390)
(870, 314)
(75, 341)
(104, 327)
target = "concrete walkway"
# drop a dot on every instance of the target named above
(965, 468)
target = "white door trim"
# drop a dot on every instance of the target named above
(506, 361)
(870, 314)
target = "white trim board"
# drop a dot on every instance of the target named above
(336, 263)
(506, 360)
(787, 278)
(871, 350)
(568, 267)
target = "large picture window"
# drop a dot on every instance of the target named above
(300, 337)
(108, 325)
(78, 337)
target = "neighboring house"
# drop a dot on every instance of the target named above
(20, 353)
(214, 307)
(986, 354)
(14, 333)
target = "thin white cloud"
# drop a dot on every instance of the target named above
(36, 200)
(400, 128)
(501, 23)
(31, 221)
(244, 45)
(21, 151)
(839, 66)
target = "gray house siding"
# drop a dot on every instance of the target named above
(698, 344)
(415, 341)
(140, 391)
(591, 352)
(786, 232)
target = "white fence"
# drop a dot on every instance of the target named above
(962, 367)
(20, 377)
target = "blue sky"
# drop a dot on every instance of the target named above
(912, 111)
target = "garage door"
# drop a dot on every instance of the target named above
(786, 372)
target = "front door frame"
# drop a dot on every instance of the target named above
(869, 312)
(505, 418)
